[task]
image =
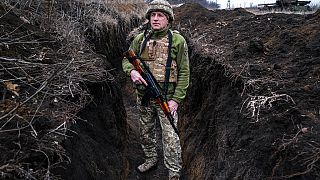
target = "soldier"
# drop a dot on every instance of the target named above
(166, 53)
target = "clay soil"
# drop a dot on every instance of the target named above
(252, 110)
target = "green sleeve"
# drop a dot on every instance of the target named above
(183, 68)
(135, 46)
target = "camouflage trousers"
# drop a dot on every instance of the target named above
(170, 140)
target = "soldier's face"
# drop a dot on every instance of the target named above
(158, 20)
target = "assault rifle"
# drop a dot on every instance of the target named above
(153, 89)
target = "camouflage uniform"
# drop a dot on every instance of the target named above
(170, 140)
(155, 55)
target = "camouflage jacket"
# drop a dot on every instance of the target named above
(179, 53)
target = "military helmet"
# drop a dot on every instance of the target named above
(162, 6)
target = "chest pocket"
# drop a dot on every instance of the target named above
(155, 56)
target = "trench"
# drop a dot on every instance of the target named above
(107, 145)
(219, 139)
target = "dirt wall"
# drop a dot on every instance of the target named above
(62, 114)
(96, 149)
(252, 109)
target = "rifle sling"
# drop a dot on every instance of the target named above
(147, 36)
(168, 65)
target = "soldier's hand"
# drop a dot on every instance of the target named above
(137, 78)
(173, 106)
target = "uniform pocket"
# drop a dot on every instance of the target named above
(141, 88)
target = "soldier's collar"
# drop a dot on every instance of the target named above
(160, 33)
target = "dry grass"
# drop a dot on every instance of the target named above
(55, 91)
(256, 103)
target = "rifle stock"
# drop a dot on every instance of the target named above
(153, 88)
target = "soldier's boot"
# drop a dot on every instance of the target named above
(148, 164)
(174, 178)
(174, 175)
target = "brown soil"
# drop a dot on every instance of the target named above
(238, 59)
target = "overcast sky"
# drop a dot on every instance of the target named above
(246, 3)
